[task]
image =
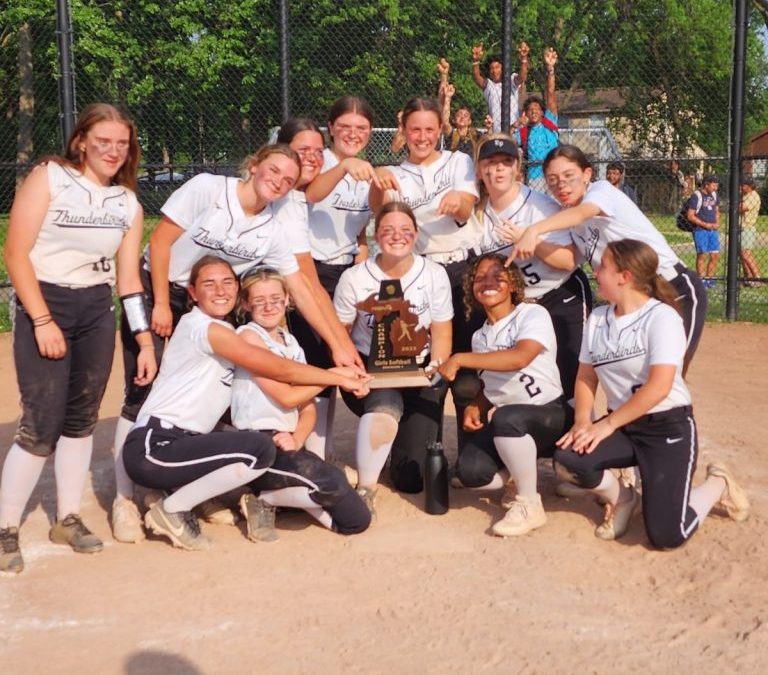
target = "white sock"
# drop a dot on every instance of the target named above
(212, 484)
(706, 495)
(498, 481)
(123, 483)
(21, 472)
(375, 434)
(609, 488)
(70, 464)
(519, 456)
(320, 439)
(298, 498)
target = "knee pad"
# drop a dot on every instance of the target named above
(407, 476)
(349, 514)
(475, 469)
(465, 387)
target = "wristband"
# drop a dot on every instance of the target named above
(135, 312)
(475, 63)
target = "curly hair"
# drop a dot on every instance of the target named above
(514, 276)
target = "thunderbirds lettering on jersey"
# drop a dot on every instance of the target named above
(207, 239)
(65, 218)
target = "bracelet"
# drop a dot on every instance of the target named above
(40, 320)
(523, 60)
(550, 71)
(475, 63)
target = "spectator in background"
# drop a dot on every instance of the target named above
(539, 132)
(677, 185)
(614, 174)
(460, 136)
(491, 85)
(704, 214)
(749, 209)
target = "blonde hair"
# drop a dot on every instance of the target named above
(265, 151)
(253, 276)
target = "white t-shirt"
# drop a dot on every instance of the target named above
(622, 350)
(207, 208)
(292, 211)
(194, 385)
(623, 220)
(425, 286)
(536, 384)
(423, 187)
(529, 207)
(492, 96)
(82, 230)
(336, 221)
(252, 408)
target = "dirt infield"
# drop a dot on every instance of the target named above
(416, 593)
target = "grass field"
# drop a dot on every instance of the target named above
(752, 302)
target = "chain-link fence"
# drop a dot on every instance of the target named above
(644, 82)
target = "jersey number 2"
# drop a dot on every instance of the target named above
(530, 385)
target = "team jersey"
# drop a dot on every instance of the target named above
(292, 210)
(194, 385)
(622, 350)
(336, 221)
(529, 207)
(208, 210)
(622, 220)
(252, 408)
(492, 96)
(536, 384)
(423, 187)
(425, 286)
(82, 229)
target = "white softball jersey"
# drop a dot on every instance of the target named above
(423, 186)
(252, 408)
(528, 208)
(82, 230)
(293, 212)
(536, 384)
(492, 96)
(194, 385)
(426, 286)
(622, 350)
(622, 220)
(207, 208)
(336, 221)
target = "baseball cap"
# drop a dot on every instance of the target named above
(497, 146)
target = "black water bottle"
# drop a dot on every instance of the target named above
(435, 480)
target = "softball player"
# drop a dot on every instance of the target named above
(552, 277)
(440, 188)
(69, 221)
(515, 354)
(236, 219)
(172, 445)
(635, 347)
(337, 233)
(403, 421)
(298, 478)
(599, 213)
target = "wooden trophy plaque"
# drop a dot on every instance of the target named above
(396, 341)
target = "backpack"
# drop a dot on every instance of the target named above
(525, 130)
(681, 221)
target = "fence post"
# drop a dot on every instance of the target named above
(67, 103)
(506, 64)
(737, 131)
(285, 61)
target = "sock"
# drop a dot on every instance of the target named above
(298, 498)
(21, 472)
(498, 481)
(519, 456)
(609, 488)
(375, 434)
(706, 495)
(320, 440)
(71, 463)
(213, 484)
(123, 483)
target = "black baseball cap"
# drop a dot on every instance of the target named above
(497, 146)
